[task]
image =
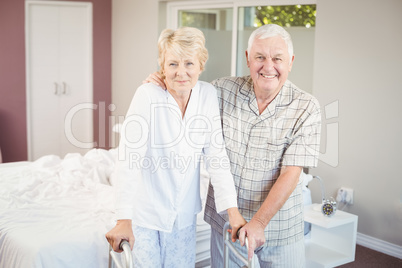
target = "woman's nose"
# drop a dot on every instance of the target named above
(181, 70)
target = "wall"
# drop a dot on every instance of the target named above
(102, 68)
(135, 35)
(13, 139)
(13, 133)
(358, 64)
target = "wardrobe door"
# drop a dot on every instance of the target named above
(42, 80)
(75, 54)
(59, 77)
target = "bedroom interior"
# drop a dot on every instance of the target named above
(360, 148)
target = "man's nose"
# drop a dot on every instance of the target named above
(268, 64)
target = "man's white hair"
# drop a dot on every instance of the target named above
(271, 30)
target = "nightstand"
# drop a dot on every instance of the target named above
(332, 240)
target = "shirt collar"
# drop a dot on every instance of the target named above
(192, 104)
(284, 97)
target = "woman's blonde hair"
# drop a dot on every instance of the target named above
(183, 42)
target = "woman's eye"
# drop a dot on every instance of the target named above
(172, 64)
(189, 63)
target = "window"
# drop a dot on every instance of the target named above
(205, 19)
(287, 16)
(227, 26)
(216, 24)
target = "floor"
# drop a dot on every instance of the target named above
(364, 258)
(369, 258)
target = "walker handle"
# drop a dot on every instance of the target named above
(227, 245)
(115, 260)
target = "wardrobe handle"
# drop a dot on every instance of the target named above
(64, 88)
(56, 88)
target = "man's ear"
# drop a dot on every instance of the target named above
(248, 64)
(291, 63)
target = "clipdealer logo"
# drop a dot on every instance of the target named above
(329, 135)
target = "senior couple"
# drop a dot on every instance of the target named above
(262, 126)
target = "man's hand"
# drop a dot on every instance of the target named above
(122, 231)
(254, 231)
(236, 221)
(156, 78)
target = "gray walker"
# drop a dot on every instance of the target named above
(228, 246)
(115, 259)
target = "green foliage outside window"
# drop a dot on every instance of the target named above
(287, 16)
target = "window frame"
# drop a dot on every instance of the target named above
(173, 8)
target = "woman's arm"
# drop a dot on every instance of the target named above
(218, 166)
(133, 140)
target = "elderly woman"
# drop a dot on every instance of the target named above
(164, 137)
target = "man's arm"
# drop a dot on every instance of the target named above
(279, 194)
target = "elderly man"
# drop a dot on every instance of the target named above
(271, 130)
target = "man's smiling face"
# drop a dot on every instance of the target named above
(269, 63)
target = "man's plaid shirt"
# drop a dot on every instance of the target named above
(287, 133)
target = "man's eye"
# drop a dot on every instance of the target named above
(277, 59)
(172, 64)
(189, 63)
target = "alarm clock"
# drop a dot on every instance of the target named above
(328, 206)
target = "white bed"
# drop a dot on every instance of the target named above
(55, 212)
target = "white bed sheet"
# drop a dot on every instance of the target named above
(55, 212)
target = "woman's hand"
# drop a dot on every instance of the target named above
(236, 221)
(157, 79)
(122, 231)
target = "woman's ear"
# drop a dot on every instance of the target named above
(202, 67)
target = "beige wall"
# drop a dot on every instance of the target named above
(357, 67)
(358, 62)
(134, 48)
